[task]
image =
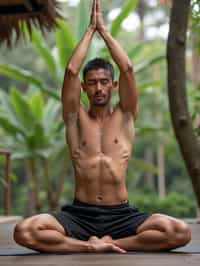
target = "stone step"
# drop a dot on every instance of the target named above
(10, 219)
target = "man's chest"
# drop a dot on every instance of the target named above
(114, 137)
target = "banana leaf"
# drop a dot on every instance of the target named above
(36, 104)
(28, 77)
(22, 109)
(65, 42)
(146, 64)
(82, 18)
(127, 8)
(45, 52)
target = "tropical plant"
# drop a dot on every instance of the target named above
(35, 135)
(174, 204)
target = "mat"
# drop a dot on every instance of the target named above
(21, 251)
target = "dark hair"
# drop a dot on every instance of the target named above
(98, 63)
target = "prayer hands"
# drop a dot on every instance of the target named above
(96, 21)
(93, 19)
(102, 244)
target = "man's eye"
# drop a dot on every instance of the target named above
(91, 83)
(104, 81)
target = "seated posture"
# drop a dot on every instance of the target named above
(100, 142)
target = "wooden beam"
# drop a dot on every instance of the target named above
(7, 197)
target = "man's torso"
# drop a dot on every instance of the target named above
(100, 155)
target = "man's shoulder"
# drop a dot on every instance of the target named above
(118, 111)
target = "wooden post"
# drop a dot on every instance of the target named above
(7, 202)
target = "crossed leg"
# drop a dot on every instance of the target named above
(44, 233)
(158, 232)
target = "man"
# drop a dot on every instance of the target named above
(100, 142)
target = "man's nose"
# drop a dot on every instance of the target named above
(98, 86)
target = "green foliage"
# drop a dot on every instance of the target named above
(195, 99)
(28, 77)
(174, 204)
(196, 14)
(127, 7)
(33, 127)
(83, 18)
(45, 52)
(65, 42)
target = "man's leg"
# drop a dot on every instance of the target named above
(158, 232)
(44, 233)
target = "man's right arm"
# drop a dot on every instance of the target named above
(72, 86)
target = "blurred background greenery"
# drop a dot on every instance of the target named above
(31, 125)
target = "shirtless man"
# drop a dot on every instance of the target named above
(100, 142)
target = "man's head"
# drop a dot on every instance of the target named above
(98, 81)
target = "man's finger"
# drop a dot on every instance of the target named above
(98, 5)
(117, 249)
(94, 6)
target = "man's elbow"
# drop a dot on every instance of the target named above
(128, 68)
(71, 70)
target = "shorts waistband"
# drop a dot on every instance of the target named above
(86, 204)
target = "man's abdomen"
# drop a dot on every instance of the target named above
(100, 179)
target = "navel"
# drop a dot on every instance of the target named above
(99, 198)
(116, 141)
(84, 143)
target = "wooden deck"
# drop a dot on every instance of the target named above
(147, 259)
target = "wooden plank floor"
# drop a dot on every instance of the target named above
(148, 259)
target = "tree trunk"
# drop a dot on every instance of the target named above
(188, 142)
(30, 206)
(161, 171)
(149, 175)
(35, 184)
(50, 193)
(161, 162)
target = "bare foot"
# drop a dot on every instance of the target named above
(99, 245)
(107, 239)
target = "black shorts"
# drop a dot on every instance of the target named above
(82, 220)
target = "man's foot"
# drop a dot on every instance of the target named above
(100, 245)
(107, 239)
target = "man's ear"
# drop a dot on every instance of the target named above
(115, 85)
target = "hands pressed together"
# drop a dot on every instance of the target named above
(104, 244)
(96, 21)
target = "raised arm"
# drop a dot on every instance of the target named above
(72, 87)
(127, 82)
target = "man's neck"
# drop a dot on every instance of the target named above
(100, 113)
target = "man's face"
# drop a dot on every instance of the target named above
(99, 85)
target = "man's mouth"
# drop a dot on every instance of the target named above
(98, 96)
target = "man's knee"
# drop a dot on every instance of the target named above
(26, 231)
(23, 233)
(177, 232)
(181, 234)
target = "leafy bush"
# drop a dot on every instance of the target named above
(174, 204)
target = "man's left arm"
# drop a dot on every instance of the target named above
(127, 82)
